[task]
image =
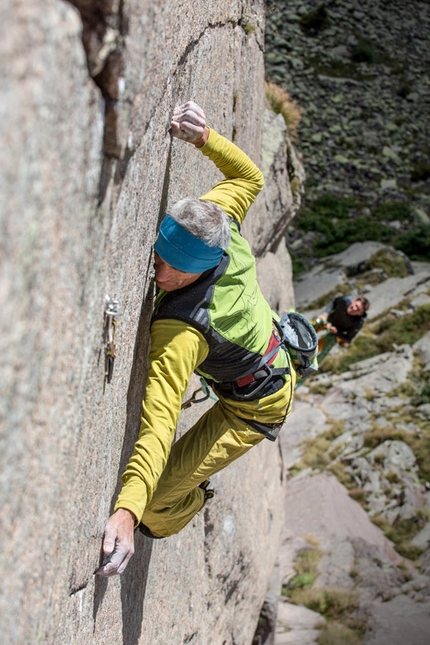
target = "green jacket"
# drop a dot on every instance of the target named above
(237, 311)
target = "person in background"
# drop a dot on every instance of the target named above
(344, 317)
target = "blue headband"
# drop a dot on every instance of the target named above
(183, 250)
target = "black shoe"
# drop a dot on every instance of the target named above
(147, 533)
(209, 492)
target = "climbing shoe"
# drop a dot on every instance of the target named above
(209, 492)
(147, 533)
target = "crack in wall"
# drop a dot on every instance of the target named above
(74, 590)
(104, 27)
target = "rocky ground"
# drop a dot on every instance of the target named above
(360, 73)
(355, 450)
(354, 565)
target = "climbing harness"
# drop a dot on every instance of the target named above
(112, 309)
(193, 398)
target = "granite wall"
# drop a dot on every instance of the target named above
(87, 171)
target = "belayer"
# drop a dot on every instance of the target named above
(342, 319)
(210, 317)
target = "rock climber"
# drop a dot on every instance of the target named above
(344, 317)
(209, 316)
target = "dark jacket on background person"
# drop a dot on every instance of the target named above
(347, 326)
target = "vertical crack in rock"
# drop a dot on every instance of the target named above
(104, 25)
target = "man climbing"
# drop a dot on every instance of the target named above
(343, 318)
(209, 316)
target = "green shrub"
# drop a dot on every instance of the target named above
(421, 448)
(420, 171)
(422, 392)
(393, 210)
(415, 243)
(364, 51)
(364, 346)
(306, 567)
(314, 21)
(408, 329)
(337, 222)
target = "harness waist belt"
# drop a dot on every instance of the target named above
(274, 343)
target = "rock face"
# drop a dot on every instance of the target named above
(88, 88)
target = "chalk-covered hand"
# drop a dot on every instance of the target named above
(118, 543)
(189, 123)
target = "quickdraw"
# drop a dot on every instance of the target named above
(193, 398)
(112, 309)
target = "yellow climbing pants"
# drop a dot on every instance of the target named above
(215, 441)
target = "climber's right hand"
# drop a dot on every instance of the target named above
(189, 124)
(118, 543)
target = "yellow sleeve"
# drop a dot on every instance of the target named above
(176, 350)
(243, 180)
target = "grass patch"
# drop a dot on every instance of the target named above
(306, 567)
(407, 329)
(319, 388)
(421, 449)
(315, 455)
(342, 475)
(318, 452)
(392, 264)
(364, 346)
(422, 389)
(337, 634)
(336, 605)
(357, 493)
(393, 478)
(419, 442)
(401, 533)
(281, 103)
(333, 604)
(375, 437)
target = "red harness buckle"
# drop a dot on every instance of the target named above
(246, 380)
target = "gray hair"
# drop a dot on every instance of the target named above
(205, 220)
